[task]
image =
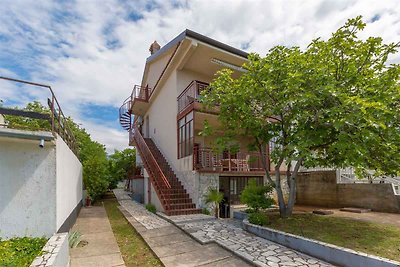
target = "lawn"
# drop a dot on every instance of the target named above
(134, 249)
(20, 251)
(372, 238)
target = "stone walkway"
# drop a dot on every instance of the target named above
(229, 234)
(169, 243)
(102, 248)
(165, 239)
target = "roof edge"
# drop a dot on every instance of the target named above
(201, 38)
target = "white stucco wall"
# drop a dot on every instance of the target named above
(27, 188)
(69, 181)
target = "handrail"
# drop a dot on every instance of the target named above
(56, 115)
(145, 150)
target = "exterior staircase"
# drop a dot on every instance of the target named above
(125, 117)
(171, 193)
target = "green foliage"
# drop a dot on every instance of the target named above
(256, 197)
(335, 104)
(94, 161)
(150, 207)
(258, 218)
(20, 251)
(74, 238)
(22, 123)
(205, 211)
(122, 164)
(214, 197)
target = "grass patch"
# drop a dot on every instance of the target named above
(133, 248)
(372, 238)
(20, 251)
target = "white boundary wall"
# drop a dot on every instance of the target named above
(27, 188)
(39, 187)
(69, 181)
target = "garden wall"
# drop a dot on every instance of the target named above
(69, 186)
(320, 189)
(40, 187)
(27, 188)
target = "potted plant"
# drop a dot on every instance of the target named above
(214, 197)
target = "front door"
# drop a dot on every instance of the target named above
(232, 187)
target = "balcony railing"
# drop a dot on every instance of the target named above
(205, 159)
(190, 94)
(142, 93)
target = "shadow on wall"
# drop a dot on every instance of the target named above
(320, 189)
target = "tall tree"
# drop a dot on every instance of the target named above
(122, 164)
(333, 105)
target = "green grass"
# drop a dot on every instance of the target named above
(20, 251)
(372, 238)
(134, 249)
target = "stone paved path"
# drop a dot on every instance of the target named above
(102, 248)
(171, 244)
(229, 234)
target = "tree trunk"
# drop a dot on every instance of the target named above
(217, 210)
(279, 192)
(292, 188)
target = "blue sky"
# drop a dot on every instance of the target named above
(92, 54)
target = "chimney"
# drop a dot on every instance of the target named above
(154, 47)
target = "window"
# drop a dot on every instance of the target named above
(185, 136)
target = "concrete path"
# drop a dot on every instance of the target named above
(169, 243)
(102, 248)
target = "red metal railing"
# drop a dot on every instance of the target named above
(141, 92)
(190, 94)
(206, 159)
(59, 123)
(148, 158)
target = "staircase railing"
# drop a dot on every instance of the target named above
(148, 156)
(125, 110)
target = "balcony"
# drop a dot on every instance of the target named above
(140, 99)
(190, 95)
(207, 160)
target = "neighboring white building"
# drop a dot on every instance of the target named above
(179, 164)
(40, 187)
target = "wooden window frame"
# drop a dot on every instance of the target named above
(185, 135)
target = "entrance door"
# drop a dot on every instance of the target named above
(232, 187)
(224, 188)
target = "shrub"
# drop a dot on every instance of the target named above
(257, 197)
(74, 238)
(150, 207)
(20, 251)
(94, 177)
(205, 211)
(258, 218)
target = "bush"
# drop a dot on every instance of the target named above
(20, 251)
(205, 211)
(258, 218)
(94, 177)
(256, 197)
(150, 207)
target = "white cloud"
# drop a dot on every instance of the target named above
(92, 52)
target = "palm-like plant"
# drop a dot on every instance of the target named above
(214, 197)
